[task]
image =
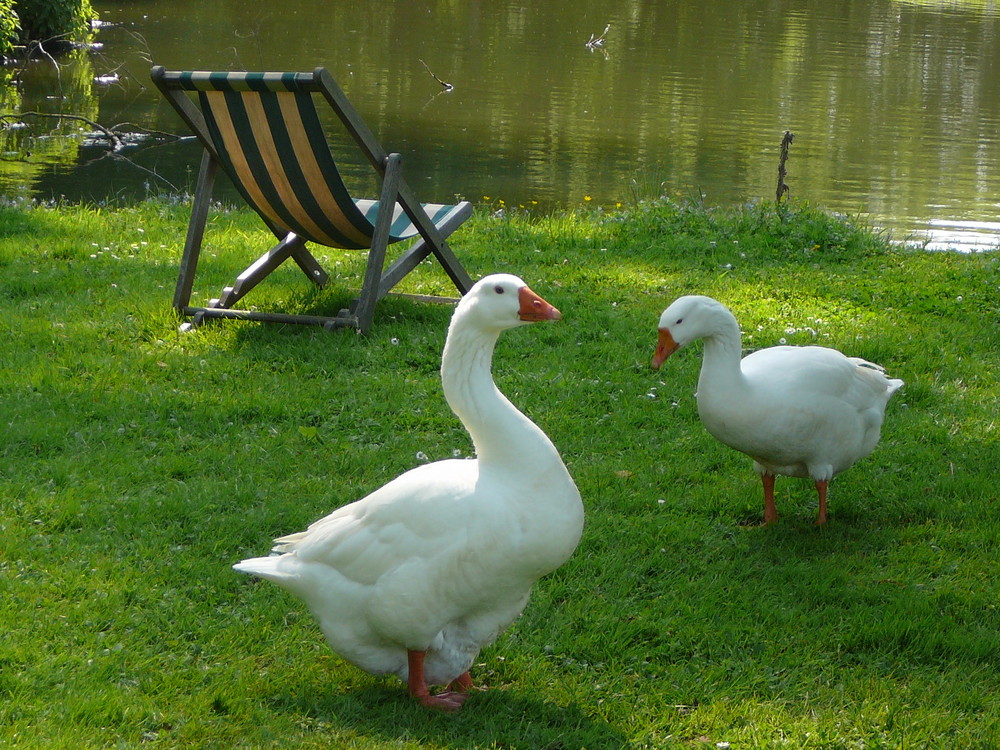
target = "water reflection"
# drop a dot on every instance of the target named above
(42, 141)
(895, 104)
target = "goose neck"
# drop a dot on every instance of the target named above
(501, 434)
(721, 359)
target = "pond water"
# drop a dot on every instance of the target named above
(895, 105)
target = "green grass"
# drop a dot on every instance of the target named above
(138, 463)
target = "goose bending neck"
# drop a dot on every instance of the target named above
(720, 368)
(501, 434)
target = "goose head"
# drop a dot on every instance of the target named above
(501, 301)
(687, 319)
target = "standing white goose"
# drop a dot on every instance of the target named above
(418, 576)
(798, 411)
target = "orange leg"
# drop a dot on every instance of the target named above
(417, 685)
(770, 511)
(821, 491)
(462, 683)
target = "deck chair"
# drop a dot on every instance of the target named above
(264, 130)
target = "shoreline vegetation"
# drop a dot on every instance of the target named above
(139, 463)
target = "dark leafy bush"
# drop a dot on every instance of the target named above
(65, 20)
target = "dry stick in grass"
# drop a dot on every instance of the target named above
(783, 189)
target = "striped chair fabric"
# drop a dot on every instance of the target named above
(269, 138)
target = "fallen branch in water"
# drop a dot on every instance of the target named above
(113, 135)
(598, 41)
(134, 127)
(116, 142)
(447, 86)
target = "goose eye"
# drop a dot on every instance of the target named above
(498, 289)
(679, 321)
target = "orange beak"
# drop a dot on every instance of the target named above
(664, 348)
(534, 308)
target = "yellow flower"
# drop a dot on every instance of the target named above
(586, 197)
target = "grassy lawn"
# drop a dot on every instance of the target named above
(138, 463)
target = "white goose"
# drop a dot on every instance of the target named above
(418, 576)
(798, 411)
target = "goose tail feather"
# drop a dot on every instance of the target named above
(265, 567)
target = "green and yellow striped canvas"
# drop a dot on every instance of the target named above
(270, 141)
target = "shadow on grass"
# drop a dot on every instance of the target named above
(500, 718)
(403, 315)
(883, 590)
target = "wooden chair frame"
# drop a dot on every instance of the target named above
(429, 235)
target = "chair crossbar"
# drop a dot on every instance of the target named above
(200, 80)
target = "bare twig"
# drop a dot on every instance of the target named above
(783, 189)
(41, 47)
(135, 127)
(598, 41)
(145, 53)
(116, 142)
(113, 133)
(447, 86)
(148, 171)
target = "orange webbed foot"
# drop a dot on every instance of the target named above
(450, 699)
(446, 701)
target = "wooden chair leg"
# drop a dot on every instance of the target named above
(309, 265)
(195, 232)
(433, 236)
(364, 306)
